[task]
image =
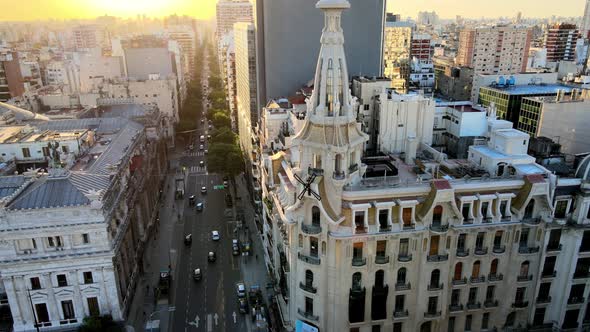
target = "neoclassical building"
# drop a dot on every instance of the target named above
(71, 241)
(410, 240)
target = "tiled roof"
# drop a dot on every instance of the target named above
(10, 184)
(49, 192)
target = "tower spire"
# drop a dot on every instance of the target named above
(331, 97)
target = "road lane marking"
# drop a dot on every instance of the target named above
(209, 323)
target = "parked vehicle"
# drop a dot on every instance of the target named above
(235, 248)
(215, 236)
(191, 200)
(203, 190)
(199, 206)
(188, 239)
(197, 274)
(211, 257)
(228, 200)
(241, 290)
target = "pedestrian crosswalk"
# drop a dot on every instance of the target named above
(196, 153)
(198, 169)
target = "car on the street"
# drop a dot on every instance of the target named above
(203, 190)
(208, 136)
(190, 147)
(201, 147)
(202, 120)
(215, 236)
(188, 239)
(228, 200)
(225, 184)
(202, 163)
(235, 247)
(206, 151)
(211, 257)
(197, 274)
(200, 206)
(191, 200)
(243, 305)
(241, 290)
(210, 126)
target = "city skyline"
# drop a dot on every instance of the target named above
(205, 9)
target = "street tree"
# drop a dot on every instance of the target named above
(225, 158)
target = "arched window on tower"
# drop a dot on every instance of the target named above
(338, 164)
(340, 88)
(315, 216)
(356, 280)
(329, 88)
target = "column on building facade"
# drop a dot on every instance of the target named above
(52, 305)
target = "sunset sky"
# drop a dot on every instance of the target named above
(60, 9)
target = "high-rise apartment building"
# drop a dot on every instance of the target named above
(397, 46)
(585, 28)
(89, 36)
(495, 50)
(283, 27)
(11, 80)
(421, 48)
(229, 12)
(560, 41)
(186, 38)
(247, 98)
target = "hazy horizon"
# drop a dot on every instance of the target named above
(31, 10)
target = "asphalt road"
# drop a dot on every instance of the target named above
(211, 303)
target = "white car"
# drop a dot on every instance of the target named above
(215, 236)
(203, 190)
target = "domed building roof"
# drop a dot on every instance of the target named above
(583, 169)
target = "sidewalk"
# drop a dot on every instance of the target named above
(157, 256)
(254, 270)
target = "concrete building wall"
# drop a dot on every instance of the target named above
(283, 27)
(404, 121)
(143, 62)
(247, 103)
(567, 123)
(95, 68)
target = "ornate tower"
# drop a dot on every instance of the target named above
(331, 142)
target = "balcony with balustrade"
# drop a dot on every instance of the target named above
(457, 307)
(308, 259)
(381, 259)
(477, 279)
(359, 261)
(489, 303)
(437, 258)
(525, 250)
(311, 229)
(399, 314)
(481, 251)
(404, 258)
(403, 287)
(519, 304)
(493, 277)
(473, 305)
(435, 287)
(462, 252)
(499, 249)
(459, 282)
(524, 278)
(432, 314)
(308, 288)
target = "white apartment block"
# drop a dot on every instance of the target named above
(421, 242)
(96, 68)
(64, 73)
(495, 50)
(185, 37)
(157, 92)
(229, 12)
